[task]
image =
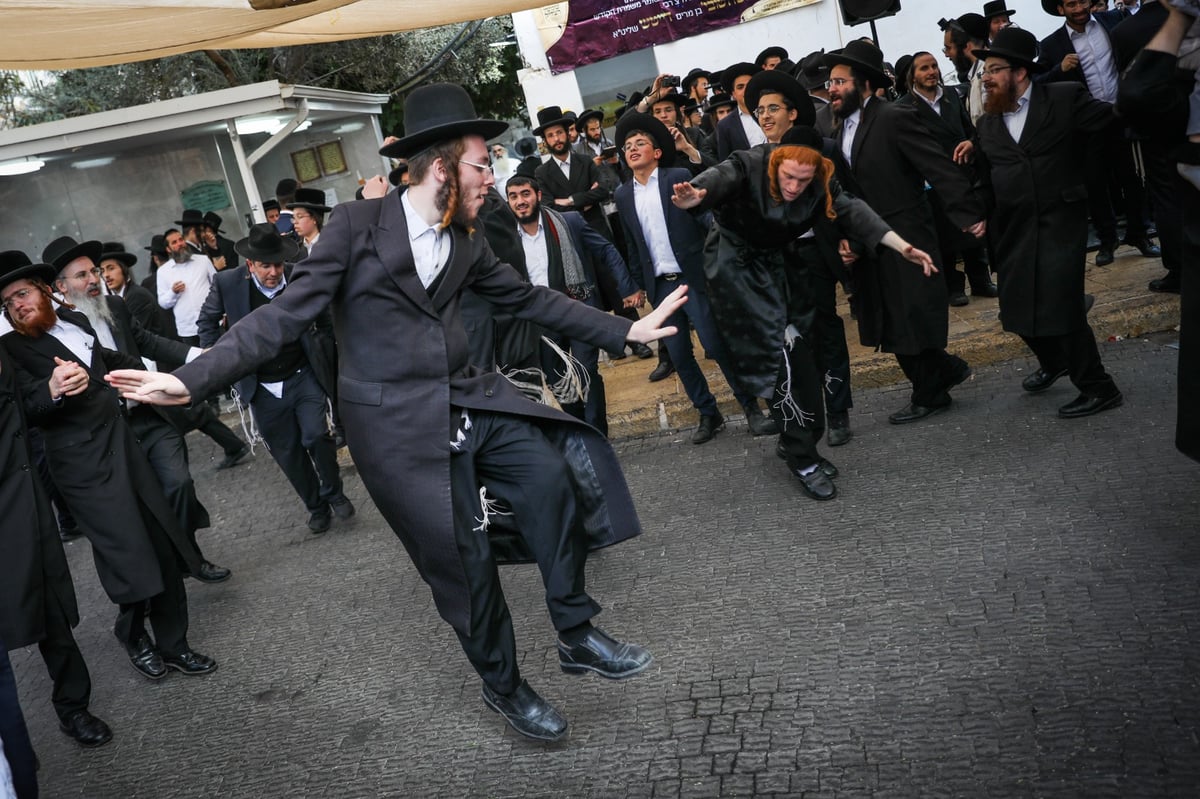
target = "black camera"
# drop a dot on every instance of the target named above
(670, 81)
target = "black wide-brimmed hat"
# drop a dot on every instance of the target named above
(773, 81)
(903, 64)
(394, 177)
(803, 136)
(15, 265)
(528, 167)
(734, 71)
(589, 113)
(271, 205)
(436, 113)
(1017, 46)
(812, 72)
(635, 120)
(158, 244)
(65, 249)
(550, 116)
(692, 108)
(311, 199)
(999, 8)
(267, 245)
(191, 218)
(975, 25)
(214, 221)
(864, 57)
(525, 147)
(690, 79)
(718, 100)
(680, 100)
(770, 52)
(115, 251)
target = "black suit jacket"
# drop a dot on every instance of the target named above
(1057, 46)
(731, 135)
(586, 188)
(686, 230)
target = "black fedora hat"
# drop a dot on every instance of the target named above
(267, 245)
(903, 65)
(975, 25)
(550, 116)
(312, 199)
(214, 221)
(999, 8)
(589, 113)
(812, 72)
(438, 112)
(864, 57)
(396, 174)
(15, 265)
(803, 136)
(718, 100)
(734, 71)
(774, 81)
(65, 249)
(525, 147)
(191, 218)
(158, 243)
(528, 167)
(1017, 46)
(690, 79)
(635, 120)
(271, 205)
(770, 52)
(115, 251)
(680, 100)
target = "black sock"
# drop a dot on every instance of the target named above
(573, 635)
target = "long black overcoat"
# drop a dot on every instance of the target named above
(1039, 227)
(403, 361)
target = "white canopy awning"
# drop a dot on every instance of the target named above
(69, 34)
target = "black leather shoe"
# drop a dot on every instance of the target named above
(1041, 380)
(641, 350)
(709, 425)
(234, 459)
(914, 413)
(759, 423)
(342, 507)
(190, 663)
(527, 713)
(1145, 247)
(961, 376)
(986, 290)
(839, 429)
(1083, 405)
(319, 521)
(661, 372)
(146, 659)
(1166, 285)
(613, 355)
(817, 484)
(823, 465)
(599, 652)
(958, 299)
(212, 574)
(1104, 255)
(86, 729)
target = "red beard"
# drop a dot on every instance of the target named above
(1000, 100)
(39, 322)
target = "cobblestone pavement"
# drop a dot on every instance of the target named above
(999, 603)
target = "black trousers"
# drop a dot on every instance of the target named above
(797, 406)
(514, 461)
(64, 662)
(1111, 154)
(168, 611)
(167, 452)
(200, 416)
(931, 372)
(951, 246)
(18, 750)
(1078, 354)
(297, 436)
(1166, 187)
(833, 355)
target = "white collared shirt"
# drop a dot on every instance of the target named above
(849, 129)
(430, 250)
(197, 275)
(76, 339)
(1015, 120)
(754, 133)
(1096, 59)
(537, 254)
(564, 164)
(937, 98)
(647, 201)
(266, 292)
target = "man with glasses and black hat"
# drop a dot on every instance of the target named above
(458, 440)
(289, 394)
(738, 130)
(1029, 142)
(998, 16)
(308, 216)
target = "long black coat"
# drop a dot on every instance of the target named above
(403, 361)
(900, 309)
(32, 564)
(1039, 227)
(99, 468)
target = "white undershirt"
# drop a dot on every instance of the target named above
(430, 249)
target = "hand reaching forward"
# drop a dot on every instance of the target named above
(920, 258)
(649, 327)
(687, 196)
(152, 388)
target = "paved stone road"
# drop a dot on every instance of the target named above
(1000, 603)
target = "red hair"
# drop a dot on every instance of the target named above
(805, 156)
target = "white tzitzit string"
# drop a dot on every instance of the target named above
(490, 508)
(250, 428)
(788, 409)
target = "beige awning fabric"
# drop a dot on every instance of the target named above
(69, 34)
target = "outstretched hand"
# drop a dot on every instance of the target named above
(152, 388)
(920, 258)
(687, 196)
(649, 327)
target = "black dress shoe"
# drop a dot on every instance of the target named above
(914, 413)
(661, 372)
(1145, 247)
(817, 484)
(958, 299)
(146, 659)
(319, 521)
(210, 573)
(342, 507)
(827, 468)
(985, 290)
(527, 713)
(86, 729)
(190, 663)
(1166, 285)
(1083, 405)
(234, 459)
(599, 652)
(709, 425)
(839, 429)
(961, 376)
(614, 355)
(641, 350)
(1041, 380)
(759, 423)
(1104, 256)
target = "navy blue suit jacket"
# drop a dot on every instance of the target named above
(1057, 46)
(686, 230)
(731, 135)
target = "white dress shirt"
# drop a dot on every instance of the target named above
(537, 254)
(937, 98)
(430, 249)
(197, 275)
(754, 133)
(849, 129)
(1096, 59)
(1015, 120)
(76, 339)
(647, 201)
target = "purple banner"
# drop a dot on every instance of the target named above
(597, 30)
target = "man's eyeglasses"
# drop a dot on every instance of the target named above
(15, 297)
(829, 84)
(773, 108)
(484, 168)
(996, 70)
